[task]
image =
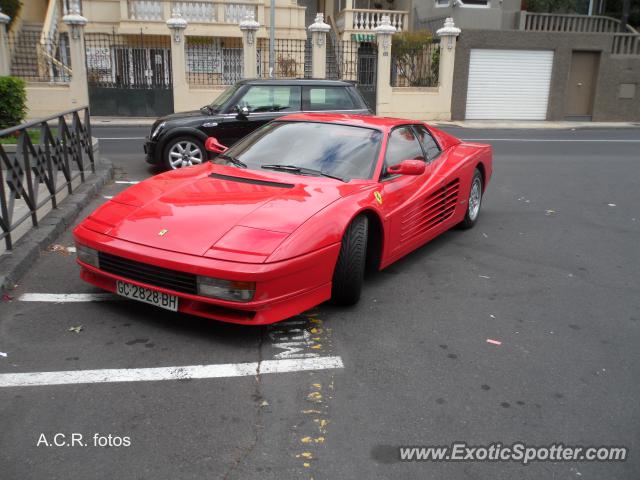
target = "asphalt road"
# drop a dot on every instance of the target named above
(551, 271)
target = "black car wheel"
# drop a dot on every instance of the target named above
(183, 152)
(474, 202)
(348, 275)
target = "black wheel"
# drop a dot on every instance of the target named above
(474, 201)
(348, 275)
(183, 152)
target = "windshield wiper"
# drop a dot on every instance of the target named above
(234, 160)
(301, 170)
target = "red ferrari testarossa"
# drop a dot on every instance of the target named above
(285, 219)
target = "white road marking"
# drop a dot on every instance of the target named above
(168, 373)
(127, 182)
(68, 297)
(121, 138)
(591, 140)
(294, 342)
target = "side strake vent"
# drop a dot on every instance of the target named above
(431, 212)
(253, 181)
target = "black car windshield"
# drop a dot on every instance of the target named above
(221, 99)
(342, 151)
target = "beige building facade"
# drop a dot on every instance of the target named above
(135, 65)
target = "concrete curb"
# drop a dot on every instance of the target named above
(122, 121)
(541, 125)
(27, 250)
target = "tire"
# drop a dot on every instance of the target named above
(183, 152)
(474, 202)
(348, 275)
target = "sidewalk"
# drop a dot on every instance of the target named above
(477, 124)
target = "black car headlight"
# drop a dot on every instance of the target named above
(87, 255)
(156, 131)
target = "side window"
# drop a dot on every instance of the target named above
(328, 98)
(402, 145)
(428, 143)
(262, 98)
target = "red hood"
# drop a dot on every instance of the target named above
(191, 210)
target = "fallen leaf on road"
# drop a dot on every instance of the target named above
(76, 329)
(6, 298)
(57, 248)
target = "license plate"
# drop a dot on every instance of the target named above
(146, 295)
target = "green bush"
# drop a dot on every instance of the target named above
(416, 59)
(13, 101)
(10, 7)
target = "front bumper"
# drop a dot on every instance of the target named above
(151, 152)
(283, 289)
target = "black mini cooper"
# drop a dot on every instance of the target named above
(177, 140)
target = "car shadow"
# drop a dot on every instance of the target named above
(419, 255)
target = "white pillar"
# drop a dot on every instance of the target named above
(319, 31)
(177, 25)
(78, 84)
(384, 31)
(249, 27)
(448, 39)
(5, 62)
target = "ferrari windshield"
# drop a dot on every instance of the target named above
(308, 148)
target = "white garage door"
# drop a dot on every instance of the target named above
(509, 84)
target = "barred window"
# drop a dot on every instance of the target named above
(204, 56)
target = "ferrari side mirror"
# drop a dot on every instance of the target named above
(213, 145)
(407, 167)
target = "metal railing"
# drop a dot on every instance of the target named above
(33, 175)
(37, 58)
(289, 61)
(557, 22)
(128, 61)
(626, 44)
(214, 60)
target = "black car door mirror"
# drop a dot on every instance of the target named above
(242, 112)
